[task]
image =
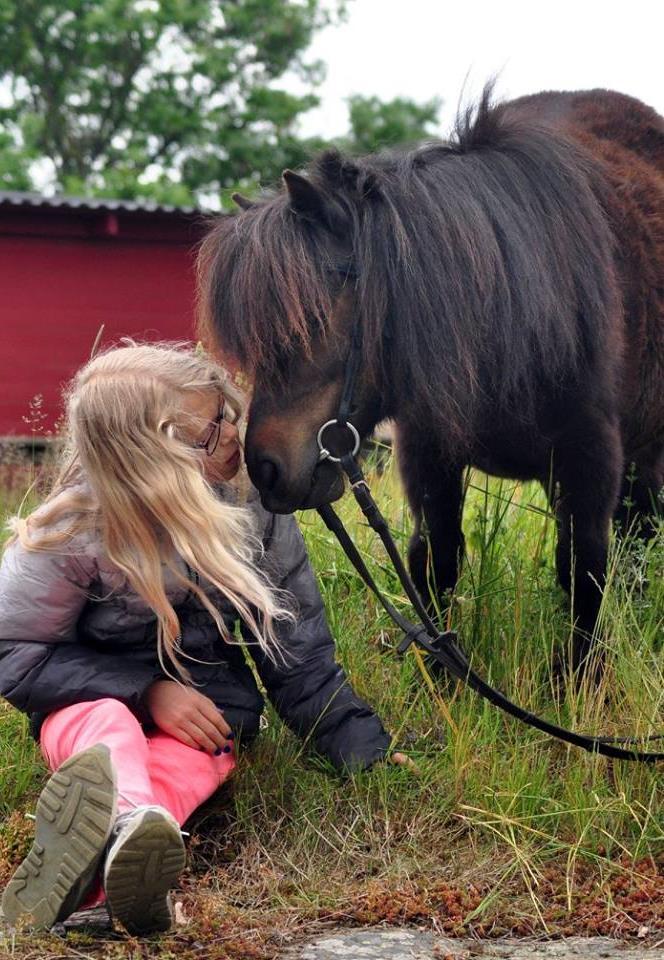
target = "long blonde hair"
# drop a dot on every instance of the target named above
(127, 473)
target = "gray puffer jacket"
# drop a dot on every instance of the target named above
(72, 629)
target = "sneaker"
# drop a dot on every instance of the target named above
(75, 814)
(144, 859)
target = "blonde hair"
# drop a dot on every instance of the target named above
(147, 495)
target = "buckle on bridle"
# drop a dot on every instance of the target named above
(325, 453)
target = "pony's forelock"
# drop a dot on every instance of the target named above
(262, 289)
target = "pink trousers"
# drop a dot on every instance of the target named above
(150, 767)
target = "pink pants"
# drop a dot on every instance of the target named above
(150, 767)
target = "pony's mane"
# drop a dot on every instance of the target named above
(491, 251)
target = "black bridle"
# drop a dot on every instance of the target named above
(442, 648)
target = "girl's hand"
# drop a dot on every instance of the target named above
(402, 760)
(188, 715)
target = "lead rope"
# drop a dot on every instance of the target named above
(443, 647)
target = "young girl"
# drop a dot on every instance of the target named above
(119, 598)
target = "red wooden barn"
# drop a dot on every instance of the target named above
(69, 265)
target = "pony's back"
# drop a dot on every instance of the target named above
(603, 114)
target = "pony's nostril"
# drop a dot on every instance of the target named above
(267, 474)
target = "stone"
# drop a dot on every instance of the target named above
(384, 943)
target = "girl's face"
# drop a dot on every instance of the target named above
(200, 417)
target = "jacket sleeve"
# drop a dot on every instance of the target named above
(42, 665)
(310, 691)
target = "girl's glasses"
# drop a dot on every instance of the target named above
(212, 440)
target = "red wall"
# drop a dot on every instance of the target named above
(64, 275)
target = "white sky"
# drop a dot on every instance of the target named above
(423, 48)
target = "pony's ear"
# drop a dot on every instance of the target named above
(337, 170)
(344, 174)
(305, 199)
(244, 203)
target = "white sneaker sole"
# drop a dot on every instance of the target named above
(142, 871)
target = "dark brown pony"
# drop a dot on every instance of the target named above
(509, 289)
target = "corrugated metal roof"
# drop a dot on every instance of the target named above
(16, 198)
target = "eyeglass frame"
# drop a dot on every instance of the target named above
(214, 429)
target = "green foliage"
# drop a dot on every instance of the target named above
(170, 100)
(376, 124)
(163, 99)
(13, 166)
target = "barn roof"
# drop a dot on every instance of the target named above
(17, 198)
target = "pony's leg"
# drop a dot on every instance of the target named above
(587, 471)
(435, 493)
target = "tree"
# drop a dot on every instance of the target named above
(376, 124)
(168, 99)
(173, 100)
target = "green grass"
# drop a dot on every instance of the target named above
(498, 806)
(20, 768)
(488, 777)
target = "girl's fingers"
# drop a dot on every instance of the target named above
(201, 738)
(212, 733)
(215, 716)
(403, 760)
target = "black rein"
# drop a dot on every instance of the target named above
(441, 647)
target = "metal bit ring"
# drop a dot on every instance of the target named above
(325, 453)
